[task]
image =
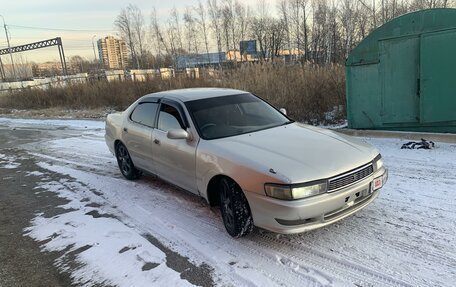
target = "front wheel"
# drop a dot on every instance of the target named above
(235, 209)
(126, 166)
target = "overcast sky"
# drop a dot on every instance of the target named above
(25, 20)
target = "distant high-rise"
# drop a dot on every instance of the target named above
(113, 53)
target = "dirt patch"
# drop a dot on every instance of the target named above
(197, 275)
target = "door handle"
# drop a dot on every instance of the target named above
(418, 87)
(156, 141)
(125, 130)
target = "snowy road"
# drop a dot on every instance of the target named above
(407, 237)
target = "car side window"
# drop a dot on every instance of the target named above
(169, 118)
(145, 114)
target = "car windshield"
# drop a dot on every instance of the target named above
(226, 116)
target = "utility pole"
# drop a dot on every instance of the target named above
(9, 48)
(2, 70)
(94, 54)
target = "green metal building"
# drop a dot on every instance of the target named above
(403, 75)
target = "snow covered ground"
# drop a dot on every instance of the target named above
(407, 237)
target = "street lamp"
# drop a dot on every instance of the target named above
(9, 48)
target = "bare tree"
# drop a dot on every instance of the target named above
(428, 4)
(215, 14)
(175, 26)
(298, 27)
(259, 28)
(371, 10)
(229, 23)
(171, 38)
(190, 31)
(242, 15)
(305, 15)
(158, 41)
(130, 24)
(348, 16)
(227, 18)
(284, 13)
(362, 23)
(202, 25)
(277, 37)
(296, 19)
(325, 30)
(124, 24)
(139, 32)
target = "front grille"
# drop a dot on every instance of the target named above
(350, 177)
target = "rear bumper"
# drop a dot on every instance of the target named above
(306, 214)
(110, 143)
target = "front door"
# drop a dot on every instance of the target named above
(174, 159)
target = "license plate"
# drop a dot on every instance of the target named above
(378, 183)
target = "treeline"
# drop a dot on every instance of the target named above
(324, 31)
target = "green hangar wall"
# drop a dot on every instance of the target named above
(403, 75)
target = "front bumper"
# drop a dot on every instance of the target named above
(306, 214)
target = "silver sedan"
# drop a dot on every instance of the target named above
(242, 154)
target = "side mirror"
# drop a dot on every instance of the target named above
(283, 111)
(178, 134)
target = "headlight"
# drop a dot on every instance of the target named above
(278, 191)
(299, 191)
(378, 162)
(308, 190)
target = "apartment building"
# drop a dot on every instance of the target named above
(113, 53)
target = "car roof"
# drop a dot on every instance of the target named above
(186, 95)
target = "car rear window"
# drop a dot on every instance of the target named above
(145, 114)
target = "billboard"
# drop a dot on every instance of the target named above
(196, 60)
(248, 47)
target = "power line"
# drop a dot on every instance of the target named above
(37, 38)
(57, 29)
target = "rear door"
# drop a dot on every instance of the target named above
(438, 77)
(399, 70)
(137, 134)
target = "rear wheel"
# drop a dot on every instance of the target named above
(235, 209)
(126, 166)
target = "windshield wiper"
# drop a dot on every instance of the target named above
(287, 123)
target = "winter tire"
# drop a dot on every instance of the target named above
(126, 166)
(235, 209)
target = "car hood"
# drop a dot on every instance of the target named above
(297, 152)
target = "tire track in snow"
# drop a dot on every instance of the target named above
(183, 219)
(357, 273)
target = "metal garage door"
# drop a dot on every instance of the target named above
(438, 77)
(399, 71)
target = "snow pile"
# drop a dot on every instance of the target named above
(8, 162)
(71, 124)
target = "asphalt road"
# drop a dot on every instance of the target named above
(22, 260)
